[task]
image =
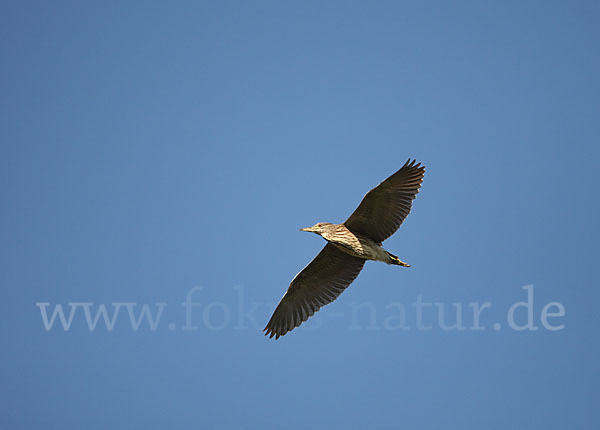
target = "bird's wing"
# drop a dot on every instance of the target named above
(318, 284)
(385, 207)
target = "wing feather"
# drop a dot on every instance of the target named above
(318, 284)
(385, 207)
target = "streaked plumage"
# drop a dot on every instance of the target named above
(379, 215)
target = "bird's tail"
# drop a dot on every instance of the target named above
(396, 261)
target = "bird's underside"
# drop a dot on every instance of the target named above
(378, 216)
(356, 244)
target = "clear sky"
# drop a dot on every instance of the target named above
(157, 153)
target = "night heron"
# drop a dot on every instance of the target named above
(349, 245)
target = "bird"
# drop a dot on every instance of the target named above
(349, 245)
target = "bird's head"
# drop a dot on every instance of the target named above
(319, 228)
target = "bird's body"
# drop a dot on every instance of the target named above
(349, 246)
(355, 244)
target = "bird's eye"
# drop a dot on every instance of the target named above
(319, 225)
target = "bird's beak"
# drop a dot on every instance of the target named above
(306, 229)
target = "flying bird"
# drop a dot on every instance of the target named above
(349, 246)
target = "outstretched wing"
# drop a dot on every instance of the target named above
(318, 284)
(384, 208)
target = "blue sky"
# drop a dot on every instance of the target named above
(152, 148)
